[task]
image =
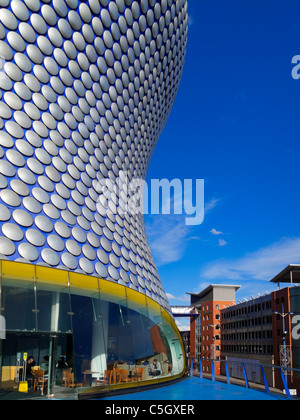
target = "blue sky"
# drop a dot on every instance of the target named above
(235, 124)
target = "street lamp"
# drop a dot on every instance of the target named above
(213, 327)
(283, 316)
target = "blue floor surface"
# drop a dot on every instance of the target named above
(197, 389)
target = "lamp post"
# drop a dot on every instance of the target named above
(213, 327)
(283, 316)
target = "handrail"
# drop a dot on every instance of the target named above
(282, 371)
(250, 364)
(280, 367)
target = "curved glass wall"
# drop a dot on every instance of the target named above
(102, 335)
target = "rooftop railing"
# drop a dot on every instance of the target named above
(266, 377)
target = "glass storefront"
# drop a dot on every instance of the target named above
(84, 333)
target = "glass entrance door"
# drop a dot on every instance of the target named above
(61, 364)
(17, 350)
(51, 357)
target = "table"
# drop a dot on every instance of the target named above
(88, 372)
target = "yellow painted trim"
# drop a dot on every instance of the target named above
(112, 290)
(18, 271)
(52, 276)
(136, 300)
(87, 284)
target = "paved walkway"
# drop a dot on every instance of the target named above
(198, 389)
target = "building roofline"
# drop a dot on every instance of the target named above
(212, 286)
(285, 275)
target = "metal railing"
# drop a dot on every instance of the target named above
(225, 366)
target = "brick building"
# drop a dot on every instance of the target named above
(260, 331)
(205, 330)
(247, 338)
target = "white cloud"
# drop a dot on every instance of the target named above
(183, 324)
(222, 242)
(184, 298)
(168, 234)
(203, 285)
(215, 232)
(190, 20)
(167, 237)
(211, 204)
(262, 264)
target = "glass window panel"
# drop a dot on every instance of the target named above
(176, 356)
(82, 320)
(114, 353)
(18, 305)
(120, 351)
(120, 347)
(141, 334)
(62, 352)
(87, 329)
(46, 315)
(99, 343)
(54, 314)
(159, 362)
(53, 300)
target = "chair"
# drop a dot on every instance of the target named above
(39, 380)
(30, 379)
(116, 376)
(139, 374)
(124, 376)
(70, 380)
(107, 377)
(65, 376)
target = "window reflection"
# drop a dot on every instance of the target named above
(82, 332)
(18, 306)
(53, 311)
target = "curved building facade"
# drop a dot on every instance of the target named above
(86, 88)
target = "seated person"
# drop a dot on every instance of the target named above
(45, 364)
(30, 364)
(155, 368)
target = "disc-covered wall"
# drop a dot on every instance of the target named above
(86, 88)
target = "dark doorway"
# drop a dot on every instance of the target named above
(51, 353)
